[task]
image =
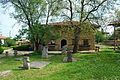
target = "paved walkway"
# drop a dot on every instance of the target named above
(11, 52)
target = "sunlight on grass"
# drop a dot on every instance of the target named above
(101, 66)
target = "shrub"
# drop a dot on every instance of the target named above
(38, 52)
(22, 48)
(9, 42)
(1, 50)
(99, 37)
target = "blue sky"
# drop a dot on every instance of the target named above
(6, 23)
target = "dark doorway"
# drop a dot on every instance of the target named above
(63, 42)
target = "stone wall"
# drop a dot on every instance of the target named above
(68, 36)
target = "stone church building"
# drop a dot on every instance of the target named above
(86, 41)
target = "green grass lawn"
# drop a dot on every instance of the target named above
(102, 66)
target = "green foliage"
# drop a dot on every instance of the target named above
(37, 52)
(43, 33)
(0, 43)
(30, 13)
(22, 32)
(1, 50)
(22, 48)
(99, 37)
(117, 33)
(9, 42)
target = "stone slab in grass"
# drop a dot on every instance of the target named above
(38, 65)
(5, 73)
(18, 59)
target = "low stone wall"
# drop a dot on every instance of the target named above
(111, 42)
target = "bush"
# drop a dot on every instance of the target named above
(38, 52)
(1, 50)
(22, 48)
(99, 37)
(9, 42)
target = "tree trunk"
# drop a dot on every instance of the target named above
(76, 39)
(36, 45)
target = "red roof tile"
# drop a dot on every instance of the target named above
(67, 23)
(3, 37)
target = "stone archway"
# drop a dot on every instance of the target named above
(63, 42)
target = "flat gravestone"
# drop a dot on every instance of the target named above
(39, 64)
(5, 73)
(18, 59)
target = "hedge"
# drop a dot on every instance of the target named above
(22, 48)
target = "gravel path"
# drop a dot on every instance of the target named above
(11, 52)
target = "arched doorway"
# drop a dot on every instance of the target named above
(63, 42)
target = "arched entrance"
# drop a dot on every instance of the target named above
(63, 42)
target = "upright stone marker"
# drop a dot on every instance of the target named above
(69, 56)
(6, 53)
(15, 53)
(64, 49)
(45, 52)
(26, 62)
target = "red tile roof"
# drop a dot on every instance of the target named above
(3, 37)
(67, 23)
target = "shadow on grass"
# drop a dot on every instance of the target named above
(18, 69)
(106, 51)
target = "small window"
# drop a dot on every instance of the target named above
(85, 42)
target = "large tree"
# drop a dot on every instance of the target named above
(88, 11)
(27, 12)
(115, 22)
(31, 13)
